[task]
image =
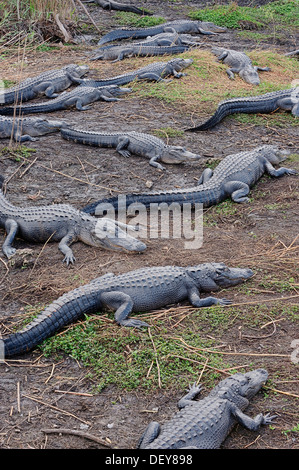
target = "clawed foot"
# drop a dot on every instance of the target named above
(267, 419)
(69, 259)
(9, 251)
(134, 323)
(224, 302)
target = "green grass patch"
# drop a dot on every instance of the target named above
(284, 13)
(173, 352)
(130, 19)
(168, 132)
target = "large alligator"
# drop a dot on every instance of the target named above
(156, 71)
(79, 98)
(239, 63)
(49, 83)
(180, 26)
(64, 224)
(112, 5)
(117, 53)
(136, 291)
(27, 129)
(287, 100)
(233, 178)
(205, 424)
(131, 142)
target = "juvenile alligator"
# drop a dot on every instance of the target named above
(64, 224)
(233, 178)
(205, 424)
(111, 5)
(156, 71)
(117, 53)
(79, 98)
(239, 63)
(127, 143)
(27, 129)
(180, 26)
(48, 83)
(136, 291)
(287, 100)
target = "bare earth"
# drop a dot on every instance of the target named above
(262, 235)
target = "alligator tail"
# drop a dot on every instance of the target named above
(63, 311)
(232, 107)
(20, 110)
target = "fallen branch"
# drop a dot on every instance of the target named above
(75, 432)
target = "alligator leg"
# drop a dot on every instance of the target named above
(205, 176)
(237, 190)
(289, 104)
(230, 73)
(150, 76)
(18, 137)
(262, 69)
(253, 424)
(280, 172)
(196, 301)
(47, 88)
(66, 250)
(11, 228)
(153, 162)
(187, 399)
(122, 145)
(123, 304)
(150, 434)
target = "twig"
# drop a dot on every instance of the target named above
(156, 357)
(89, 15)
(75, 432)
(80, 394)
(280, 391)
(56, 408)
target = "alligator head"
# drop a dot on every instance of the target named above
(250, 75)
(40, 126)
(212, 276)
(273, 153)
(176, 154)
(107, 233)
(208, 26)
(179, 63)
(78, 69)
(245, 385)
(109, 93)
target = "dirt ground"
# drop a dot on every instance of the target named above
(38, 393)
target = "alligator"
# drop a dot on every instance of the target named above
(142, 290)
(111, 5)
(233, 178)
(79, 98)
(131, 142)
(287, 100)
(180, 26)
(295, 53)
(27, 129)
(205, 423)
(239, 63)
(169, 38)
(156, 71)
(64, 224)
(117, 53)
(48, 83)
